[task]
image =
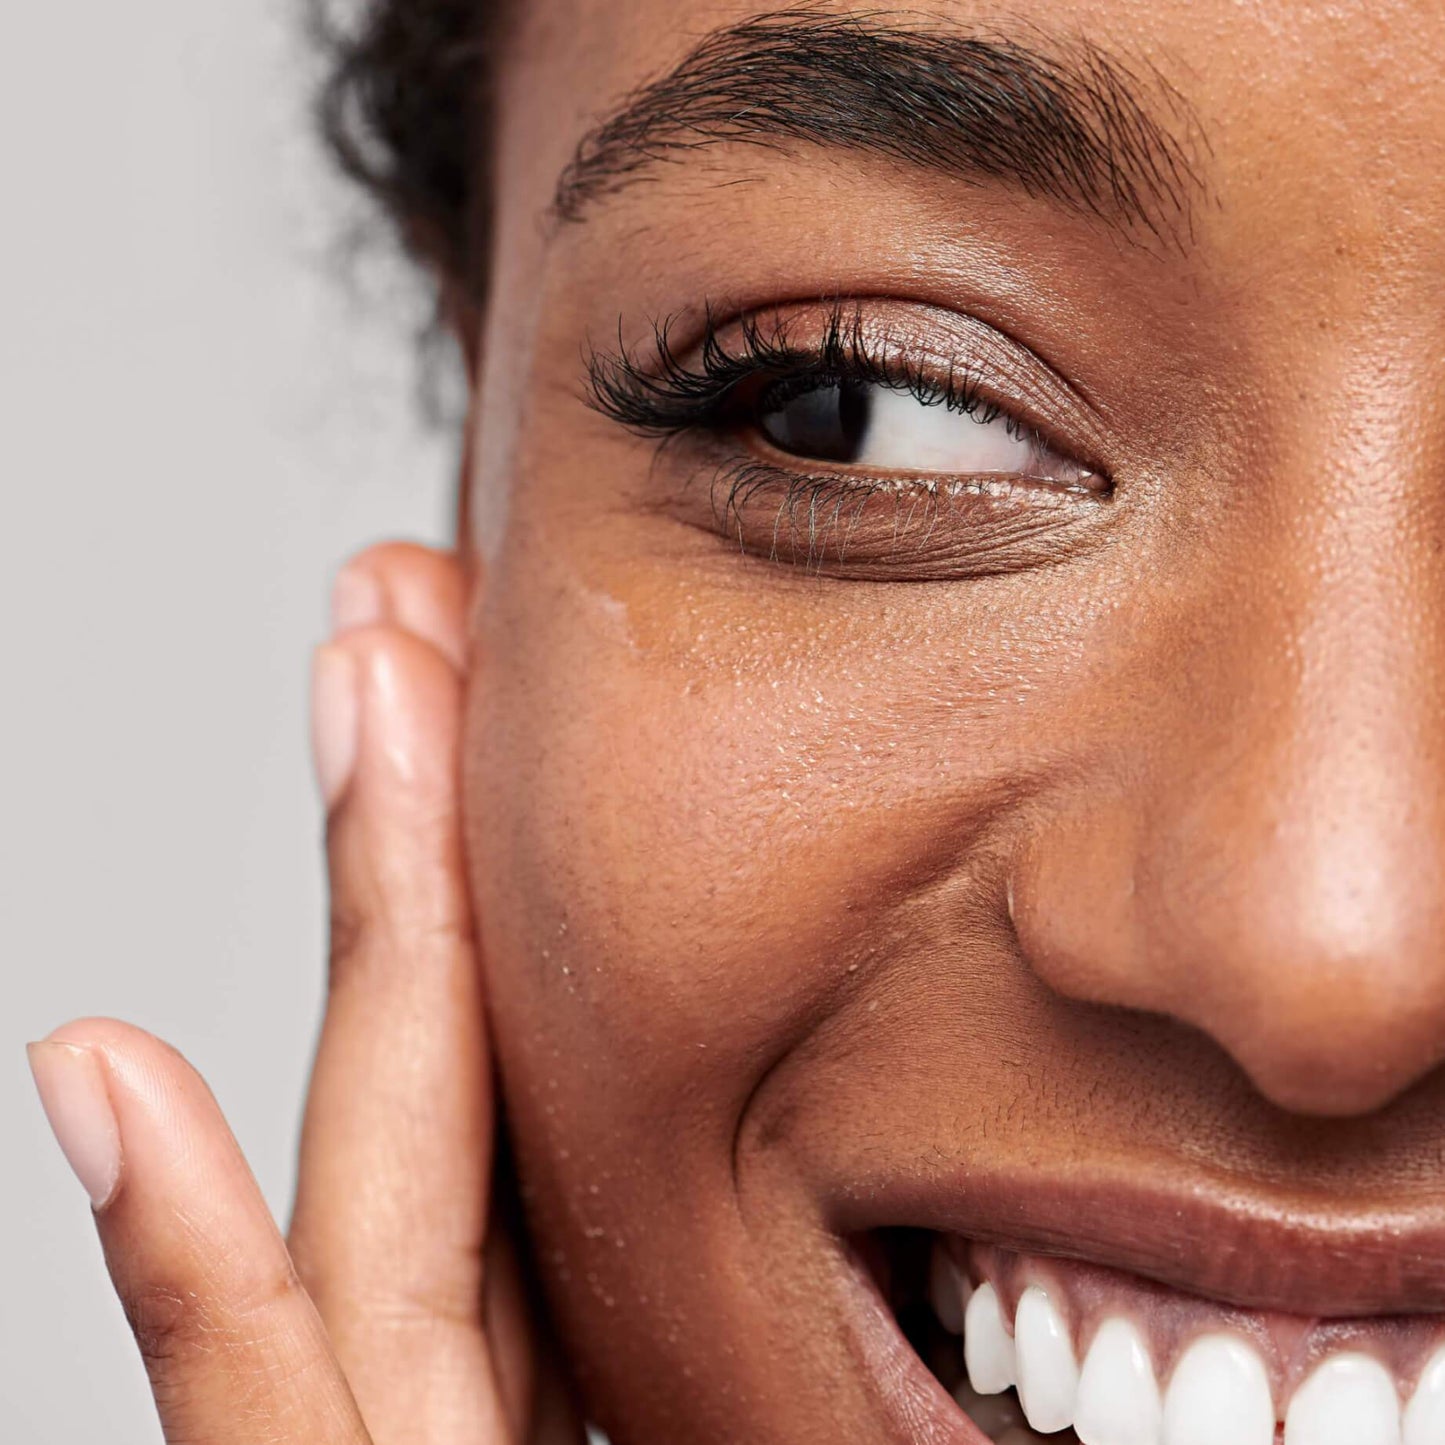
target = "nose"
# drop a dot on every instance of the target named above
(1261, 851)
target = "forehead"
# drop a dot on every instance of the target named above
(1296, 116)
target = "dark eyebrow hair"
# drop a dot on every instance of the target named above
(1066, 124)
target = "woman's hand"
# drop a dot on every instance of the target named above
(395, 1315)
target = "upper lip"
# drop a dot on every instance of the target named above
(1234, 1246)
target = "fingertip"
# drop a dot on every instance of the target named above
(110, 1035)
(409, 704)
(232, 1344)
(149, 1079)
(358, 598)
(175, 1148)
(90, 1074)
(335, 720)
(81, 1030)
(70, 1079)
(421, 590)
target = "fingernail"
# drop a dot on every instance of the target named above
(335, 720)
(357, 599)
(71, 1081)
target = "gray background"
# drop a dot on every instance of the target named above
(199, 422)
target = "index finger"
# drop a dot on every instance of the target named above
(234, 1349)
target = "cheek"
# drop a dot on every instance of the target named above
(727, 829)
(701, 804)
(651, 861)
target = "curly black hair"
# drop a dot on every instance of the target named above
(404, 110)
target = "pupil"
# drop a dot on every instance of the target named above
(827, 422)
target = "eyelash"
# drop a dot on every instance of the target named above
(666, 397)
(717, 391)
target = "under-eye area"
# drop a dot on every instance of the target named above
(1036, 1349)
(881, 529)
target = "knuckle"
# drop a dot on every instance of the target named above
(454, 1300)
(273, 1290)
(175, 1327)
(364, 941)
(392, 1296)
(169, 1325)
(348, 928)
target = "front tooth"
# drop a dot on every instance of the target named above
(1425, 1414)
(1118, 1398)
(988, 1352)
(947, 1290)
(1219, 1395)
(1048, 1373)
(1349, 1400)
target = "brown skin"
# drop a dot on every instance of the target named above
(802, 893)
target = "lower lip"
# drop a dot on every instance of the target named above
(919, 1410)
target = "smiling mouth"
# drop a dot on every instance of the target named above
(1037, 1349)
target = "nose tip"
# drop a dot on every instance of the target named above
(1312, 954)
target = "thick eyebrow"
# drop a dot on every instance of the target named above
(1067, 124)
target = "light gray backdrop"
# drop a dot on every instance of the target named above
(197, 422)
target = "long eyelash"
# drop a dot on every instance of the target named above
(665, 397)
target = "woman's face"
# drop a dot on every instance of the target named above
(959, 757)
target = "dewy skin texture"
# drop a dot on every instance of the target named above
(1009, 816)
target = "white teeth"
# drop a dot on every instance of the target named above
(988, 1351)
(1119, 1400)
(1219, 1395)
(1048, 1374)
(947, 1290)
(1425, 1414)
(1349, 1400)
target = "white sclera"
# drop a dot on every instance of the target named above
(905, 434)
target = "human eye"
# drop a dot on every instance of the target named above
(857, 446)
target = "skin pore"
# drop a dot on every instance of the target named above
(945, 656)
(1079, 889)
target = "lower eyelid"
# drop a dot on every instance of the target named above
(852, 529)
